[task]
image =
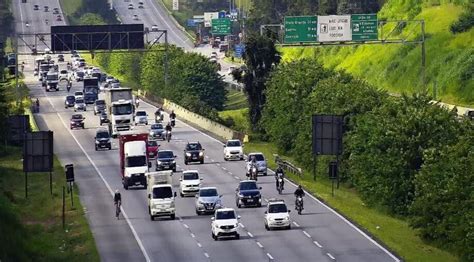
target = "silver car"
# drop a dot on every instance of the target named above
(260, 162)
(207, 200)
(141, 117)
(157, 131)
(79, 104)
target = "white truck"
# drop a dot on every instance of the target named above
(120, 108)
(161, 198)
(52, 81)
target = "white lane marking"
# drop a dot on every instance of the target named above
(296, 224)
(207, 156)
(236, 177)
(212, 160)
(266, 200)
(192, 235)
(329, 255)
(198, 244)
(218, 164)
(250, 234)
(171, 29)
(260, 245)
(223, 168)
(347, 222)
(230, 173)
(186, 226)
(140, 244)
(241, 225)
(206, 254)
(317, 244)
(312, 197)
(269, 256)
(306, 233)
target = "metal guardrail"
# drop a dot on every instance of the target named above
(287, 165)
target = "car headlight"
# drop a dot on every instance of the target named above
(158, 162)
(174, 162)
(188, 154)
(72, 122)
(201, 153)
(172, 205)
(240, 195)
(152, 133)
(97, 142)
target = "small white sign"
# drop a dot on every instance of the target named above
(334, 28)
(208, 18)
(175, 5)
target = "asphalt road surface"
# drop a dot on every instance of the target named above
(319, 234)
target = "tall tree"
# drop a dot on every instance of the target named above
(260, 57)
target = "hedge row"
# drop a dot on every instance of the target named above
(407, 155)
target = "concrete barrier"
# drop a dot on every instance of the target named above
(202, 122)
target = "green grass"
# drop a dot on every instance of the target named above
(70, 7)
(182, 15)
(236, 100)
(40, 215)
(397, 69)
(394, 232)
(239, 116)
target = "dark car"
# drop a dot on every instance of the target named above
(103, 118)
(36, 7)
(99, 106)
(165, 160)
(193, 153)
(102, 139)
(60, 58)
(77, 120)
(46, 8)
(248, 194)
(69, 101)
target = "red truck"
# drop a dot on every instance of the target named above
(133, 158)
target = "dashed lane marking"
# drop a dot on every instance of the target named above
(250, 234)
(306, 233)
(317, 244)
(258, 244)
(269, 256)
(329, 255)
(296, 224)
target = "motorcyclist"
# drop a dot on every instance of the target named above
(251, 164)
(280, 174)
(46, 21)
(69, 85)
(137, 102)
(172, 115)
(37, 103)
(117, 197)
(159, 114)
(168, 129)
(299, 192)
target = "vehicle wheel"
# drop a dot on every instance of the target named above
(238, 205)
(259, 205)
(95, 148)
(181, 194)
(242, 158)
(237, 236)
(265, 173)
(173, 216)
(135, 124)
(202, 161)
(185, 162)
(197, 212)
(174, 169)
(95, 113)
(146, 123)
(288, 227)
(267, 228)
(75, 110)
(125, 186)
(152, 218)
(214, 236)
(110, 147)
(225, 159)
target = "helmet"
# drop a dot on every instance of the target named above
(300, 187)
(116, 191)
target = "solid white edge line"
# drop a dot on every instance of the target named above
(329, 255)
(315, 199)
(259, 244)
(140, 244)
(269, 256)
(192, 235)
(317, 244)
(206, 254)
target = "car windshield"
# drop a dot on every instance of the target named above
(229, 214)
(102, 134)
(165, 154)
(78, 93)
(152, 143)
(277, 208)
(156, 126)
(162, 192)
(79, 101)
(258, 157)
(100, 102)
(77, 117)
(248, 186)
(70, 98)
(80, 73)
(52, 77)
(208, 192)
(193, 147)
(122, 109)
(63, 71)
(233, 143)
(134, 161)
(190, 176)
(141, 113)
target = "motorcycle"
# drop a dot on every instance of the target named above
(280, 185)
(159, 117)
(253, 173)
(173, 122)
(168, 136)
(299, 204)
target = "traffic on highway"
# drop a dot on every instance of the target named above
(179, 194)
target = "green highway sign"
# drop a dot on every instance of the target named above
(221, 26)
(364, 27)
(300, 29)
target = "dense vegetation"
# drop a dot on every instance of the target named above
(193, 81)
(88, 12)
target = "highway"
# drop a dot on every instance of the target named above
(319, 234)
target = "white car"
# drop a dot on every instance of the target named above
(78, 94)
(130, 6)
(141, 117)
(260, 162)
(277, 215)
(225, 223)
(189, 183)
(63, 74)
(154, 28)
(233, 149)
(135, 17)
(79, 104)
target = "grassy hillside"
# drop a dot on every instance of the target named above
(397, 67)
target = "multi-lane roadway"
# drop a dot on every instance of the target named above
(320, 234)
